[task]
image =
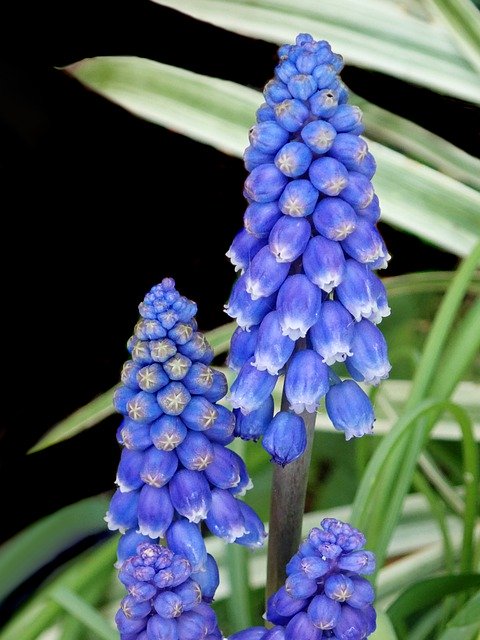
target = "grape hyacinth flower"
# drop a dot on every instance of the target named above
(164, 599)
(175, 470)
(325, 594)
(307, 296)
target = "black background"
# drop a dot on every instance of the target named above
(97, 206)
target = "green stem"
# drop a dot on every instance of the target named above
(238, 604)
(287, 504)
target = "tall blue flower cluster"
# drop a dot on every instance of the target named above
(325, 595)
(175, 470)
(307, 296)
(164, 600)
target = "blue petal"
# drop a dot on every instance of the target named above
(334, 218)
(184, 538)
(242, 347)
(369, 361)
(328, 175)
(253, 425)
(158, 466)
(256, 534)
(155, 511)
(324, 263)
(293, 159)
(285, 438)
(122, 511)
(225, 518)
(350, 409)
(265, 183)
(298, 198)
(190, 494)
(243, 249)
(168, 432)
(298, 306)
(251, 388)
(265, 275)
(331, 336)
(196, 451)
(273, 348)
(306, 381)
(288, 238)
(208, 579)
(324, 612)
(362, 293)
(246, 311)
(199, 414)
(301, 627)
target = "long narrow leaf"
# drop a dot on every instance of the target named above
(415, 197)
(390, 472)
(429, 592)
(370, 33)
(87, 416)
(83, 612)
(462, 19)
(468, 614)
(34, 547)
(102, 407)
(41, 612)
(416, 142)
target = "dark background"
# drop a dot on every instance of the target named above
(97, 206)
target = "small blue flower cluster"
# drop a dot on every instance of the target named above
(165, 599)
(306, 255)
(175, 469)
(325, 595)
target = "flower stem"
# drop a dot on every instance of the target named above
(287, 503)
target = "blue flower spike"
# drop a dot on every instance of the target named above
(175, 471)
(325, 594)
(164, 601)
(308, 253)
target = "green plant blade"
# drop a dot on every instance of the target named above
(371, 34)
(423, 282)
(385, 629)
(216, 112)
(433, 199)
(83, 612)
(40, 611)
(34, 547)
(87, 416)
(415, 197)
(418, 143)
(465, 625)
(101, 407)
(462, 19)
(425, 593)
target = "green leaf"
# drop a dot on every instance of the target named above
(83, 612)
(418, 143)
(465, 625)
(420, 596)
(34, 547)
(209, 110)
(389, 474)
(87, 416)
(40, 611)
(384, 630)
(101, 407)
(462, 19)
(371, 34)
(414, 196)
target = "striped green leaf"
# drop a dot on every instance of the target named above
(415, 197)
(373, 34)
